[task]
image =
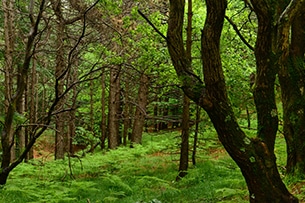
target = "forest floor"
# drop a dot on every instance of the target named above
(144, 174)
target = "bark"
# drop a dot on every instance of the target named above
(113, 116)
(26, 109)
(126, 113)
(9, 38)
(103, 103)
(91, 127)
(184, 148)
(32, 105)
(264, 95)
(72, 113)
(20, 137)
(292, 81)
(44, 93)
(254, 157)
(140, 114)
(196, 135)
(131, 119)
(155, 121)
(60, 73)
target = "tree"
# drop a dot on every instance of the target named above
(9, 39)
(197, 119)
(60, 73)
(254, 156)
(292, 76)
(103, 110)
(36, 32)
(184, 149)
(7, 131)
(140, 114)
(72, 112)
(32, 101)
(113, 108)
(127, 112)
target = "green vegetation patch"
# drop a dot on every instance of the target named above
(128, 175)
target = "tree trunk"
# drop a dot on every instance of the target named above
(33, 105)
(60, 73)
(196, 135)
(184, 148)
(255, 157)
(103, 126)
(20, 137)
(91, 126)
(292, 81)
(164, 112)
(9, 40)
(126, 113)
(140, 114)
(113, 117)
(155, 121)
(72, 112)
(26, 109)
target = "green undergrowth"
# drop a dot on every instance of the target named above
(130, 175)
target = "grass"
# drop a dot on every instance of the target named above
(131, 175)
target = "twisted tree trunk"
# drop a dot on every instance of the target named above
(255, 157)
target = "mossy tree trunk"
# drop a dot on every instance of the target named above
(255, 157)
(292, 81)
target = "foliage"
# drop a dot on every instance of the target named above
(141, 174)
(238, 59)
(84, 137)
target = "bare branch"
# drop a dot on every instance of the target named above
(239, 33)
(152, 25)
(20, 89)
(290, 11)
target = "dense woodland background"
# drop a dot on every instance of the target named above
(92, 85)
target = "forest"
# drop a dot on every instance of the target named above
(151, 101)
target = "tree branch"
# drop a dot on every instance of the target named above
(239, 33)
(152, 25)
(21, 87)
(290, 11)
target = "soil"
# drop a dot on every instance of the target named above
(43, 149)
